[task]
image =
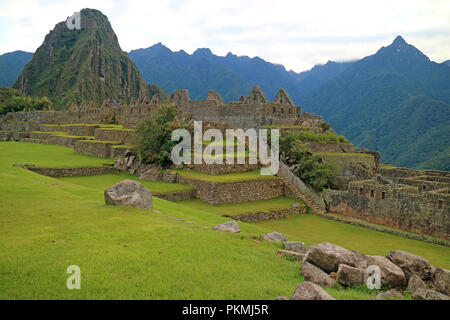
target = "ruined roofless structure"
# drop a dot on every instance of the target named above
(253, 111)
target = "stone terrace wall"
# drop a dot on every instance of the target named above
(71, 172)
(96, 149)
(424, 212)
(241, 191)
(125, 136)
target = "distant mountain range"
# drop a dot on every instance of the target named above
(232, 76)
(11, 64)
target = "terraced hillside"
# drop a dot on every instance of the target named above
(168, 253)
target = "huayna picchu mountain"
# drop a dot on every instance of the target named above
(82, 64)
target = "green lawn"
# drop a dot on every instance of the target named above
(236, 209)
(312, 229)
(228, 177)
(46, 155)
(101, 182)
(48, 224)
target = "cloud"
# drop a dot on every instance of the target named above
(297, 34)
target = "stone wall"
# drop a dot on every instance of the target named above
(331, 147)
(260, 216)
(231, 192)
(176, 196)
(95, 148)
(125, 136)
(393, 206)
(71, 172)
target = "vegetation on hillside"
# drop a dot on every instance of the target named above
(12, 100)
(310, 168)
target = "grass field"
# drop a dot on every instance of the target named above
(48, 224)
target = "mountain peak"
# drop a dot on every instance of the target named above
(203, 52)
(399, 41)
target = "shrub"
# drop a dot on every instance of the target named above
(12, 100)
(152, 138)
(310, 168)
(325, 126)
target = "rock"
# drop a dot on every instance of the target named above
(129, 193)
(415, 283)
(328, 257)
(274, 236)
(169, 176)
(20, 165)
(230, 226)
(295, 205)
(281, 298)
(391, 275)
(350, 276)
(392, 294)
(441, 280)
(428, 294)
(411, 264)
(151, 172)
(296, 246)
(310, 291)
(316, 275)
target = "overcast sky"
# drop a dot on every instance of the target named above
(297, 34)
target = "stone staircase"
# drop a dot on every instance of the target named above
(296, 193)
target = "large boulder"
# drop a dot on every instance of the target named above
(328, 257)
(310, 291)
(441, 280)
(316, 275)
(274, 236)
(415, 283)
(392, 294)
(411, 264)
(391, 275)
(230, 226)
(350, 276)
(295, 246)
(428, 294)
(129, 193)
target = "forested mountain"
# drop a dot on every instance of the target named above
(85, 64)
(231, 75)
(11, 64)
(396, 101)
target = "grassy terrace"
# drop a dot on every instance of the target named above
(236, 209)
(101, 182)
(48, 224)
(229, 177)
(52, 156)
